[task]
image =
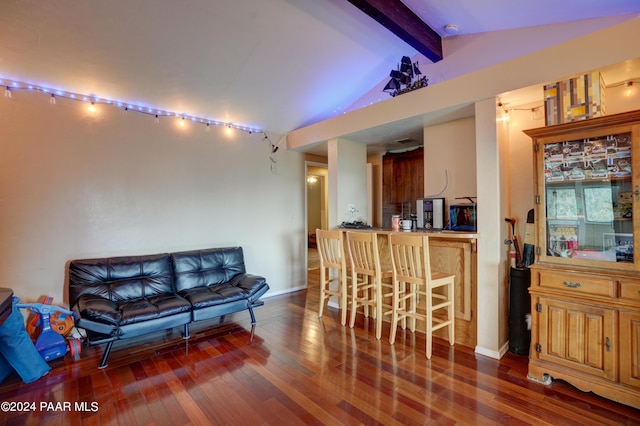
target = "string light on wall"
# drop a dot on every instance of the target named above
(506, 109)
(11, 85)
(505, 112)
(534, 111)
(628, 85)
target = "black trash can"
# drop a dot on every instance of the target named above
(519, 310)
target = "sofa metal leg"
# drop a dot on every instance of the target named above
(105, 355)
(221, 319)
(253, 317)
(186, 332)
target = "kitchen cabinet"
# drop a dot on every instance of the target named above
(402, 183)
(585, 281)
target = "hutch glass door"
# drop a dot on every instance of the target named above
(589, 199)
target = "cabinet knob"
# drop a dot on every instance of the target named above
(571, 285)
(637, 193)
(607, 344)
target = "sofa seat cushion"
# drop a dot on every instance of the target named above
(240, 287)
(150, 308)
(99, 309)
(202, 297)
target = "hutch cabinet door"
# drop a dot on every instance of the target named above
(630, 348)
(588, 187)
(578, 336)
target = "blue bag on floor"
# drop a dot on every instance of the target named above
(17, 351)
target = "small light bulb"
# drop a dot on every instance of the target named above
(181, 122)
(157, 119)
(208, 128)
(629, 85)
(229, 130)
(7, 92)
(52, 101)
(92, 108)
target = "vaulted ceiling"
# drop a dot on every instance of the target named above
(273, 64)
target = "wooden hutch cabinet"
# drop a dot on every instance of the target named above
(585, 283)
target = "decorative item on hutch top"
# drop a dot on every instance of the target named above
(585, 283)
(576, 98)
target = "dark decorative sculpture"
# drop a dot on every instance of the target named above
(405, 78)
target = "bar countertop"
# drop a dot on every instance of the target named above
(448, 234)
(453, 252)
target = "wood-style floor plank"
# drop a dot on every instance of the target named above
(296, 369)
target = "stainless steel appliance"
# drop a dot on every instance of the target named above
(430, 213)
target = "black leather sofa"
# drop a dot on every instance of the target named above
(125, 297)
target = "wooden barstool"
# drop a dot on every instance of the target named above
(332, 257)
(413, 284)
(368, 286)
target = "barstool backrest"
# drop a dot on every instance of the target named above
(363, 252)
(331, 249)
(410, 257)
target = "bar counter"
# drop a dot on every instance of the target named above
(453, 252)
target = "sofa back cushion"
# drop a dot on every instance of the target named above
(121, 279)
(209, 267)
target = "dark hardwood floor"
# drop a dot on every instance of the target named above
(294, 368)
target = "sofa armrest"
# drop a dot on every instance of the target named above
(254, 285)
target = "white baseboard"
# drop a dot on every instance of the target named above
(278, 293)
(493, 354)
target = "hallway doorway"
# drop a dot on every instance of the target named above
(316, 195)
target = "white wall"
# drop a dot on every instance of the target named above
(492, 157)
(347, 181)
(450, 148)
(73, 185)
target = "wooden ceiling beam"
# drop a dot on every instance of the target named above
(400, 20)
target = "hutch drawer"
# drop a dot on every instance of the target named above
(629, 290)
(582, 284)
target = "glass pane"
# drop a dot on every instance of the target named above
(562, 203)
(588, 195)
(598, 204)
